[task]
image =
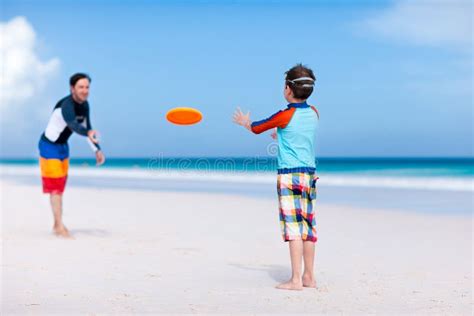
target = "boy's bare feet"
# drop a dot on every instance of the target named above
(290, 285)
(309, 281)
(62, 231)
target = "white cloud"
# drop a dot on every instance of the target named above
(23, 74)
(436, 23)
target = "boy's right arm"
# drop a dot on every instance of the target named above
(274, 134)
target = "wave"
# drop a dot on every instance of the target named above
(440, 183)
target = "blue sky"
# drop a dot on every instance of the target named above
(393, 78)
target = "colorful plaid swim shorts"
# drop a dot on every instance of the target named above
(297, 201)
(54, 164)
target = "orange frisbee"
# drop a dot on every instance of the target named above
(184, 116)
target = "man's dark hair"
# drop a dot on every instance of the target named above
(301, 89)
(78, 76)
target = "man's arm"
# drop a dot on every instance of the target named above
(99, 156)
(95, 146)
(69, 115)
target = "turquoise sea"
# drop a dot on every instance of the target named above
(390, 167)
(428, 185)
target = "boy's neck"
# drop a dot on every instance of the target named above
(293, 100)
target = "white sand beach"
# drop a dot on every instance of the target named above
(150, 252)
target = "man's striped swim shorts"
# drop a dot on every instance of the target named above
(54, 164)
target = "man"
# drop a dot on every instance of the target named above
(71, 114)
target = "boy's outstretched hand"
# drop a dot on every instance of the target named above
(242, 119)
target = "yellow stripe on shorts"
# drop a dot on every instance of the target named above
(54, 168)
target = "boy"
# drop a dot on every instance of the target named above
(296, 183)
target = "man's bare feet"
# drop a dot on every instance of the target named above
(309, 281)
(290, 285)
(62, 231)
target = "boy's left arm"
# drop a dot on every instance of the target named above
(279, 119)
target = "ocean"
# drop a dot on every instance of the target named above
(441, 185)
(451, 167)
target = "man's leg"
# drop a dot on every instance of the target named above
(296, 256)
(308, 256)
(57, 206)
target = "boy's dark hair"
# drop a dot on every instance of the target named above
(78, 76)
(301, 88)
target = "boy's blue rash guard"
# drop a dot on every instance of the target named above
(296, 129)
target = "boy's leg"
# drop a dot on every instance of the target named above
(296, 256)
(57, 206)
(309, 206)
(308, 256)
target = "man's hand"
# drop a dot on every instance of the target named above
(242, 119)
(93, 136)
(99, 157)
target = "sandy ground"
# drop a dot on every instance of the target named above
(145, 252)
